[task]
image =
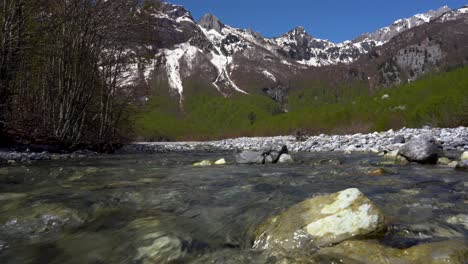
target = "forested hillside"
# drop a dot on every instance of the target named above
(439, 100)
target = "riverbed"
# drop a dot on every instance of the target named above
(159, 208)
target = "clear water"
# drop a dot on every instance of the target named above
(107, 209)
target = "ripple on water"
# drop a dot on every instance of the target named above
(153, 208)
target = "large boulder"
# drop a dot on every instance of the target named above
(261, 157)
(365, 252)
(322, 221)
(253, 157)
(422, 149)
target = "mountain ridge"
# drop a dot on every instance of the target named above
(233, 60)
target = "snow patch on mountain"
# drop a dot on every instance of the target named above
(173, 69)
(269, 75)
(220, 61)
(454, 14)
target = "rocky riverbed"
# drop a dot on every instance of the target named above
(451, 139)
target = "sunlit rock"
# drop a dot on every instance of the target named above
(422, 149)
(369, 252)
(220, 162)
(464, 156)
(285, 158)
(203, 163)
(322, 221)
(394, 158)
(443, 161)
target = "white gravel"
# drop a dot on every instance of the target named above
(450, 138)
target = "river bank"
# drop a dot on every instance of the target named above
(451, 139)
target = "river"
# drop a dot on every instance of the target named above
(159, 208)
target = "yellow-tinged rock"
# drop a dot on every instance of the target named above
(220, 162)
(366, 252)
(203, 163)
(443, 161)
(453, 164)
(322, 221)
(464, 156)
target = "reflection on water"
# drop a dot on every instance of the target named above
(155, 209)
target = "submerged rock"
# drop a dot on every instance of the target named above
(461, 219)
(380, 172)
(40, 219)
(153, 244)
(322, 221)
(422, 149)
(365, 252)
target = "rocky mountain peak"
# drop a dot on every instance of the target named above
(210, 21)
(383, 35)
(298, 31)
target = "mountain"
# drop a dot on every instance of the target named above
(190, 57)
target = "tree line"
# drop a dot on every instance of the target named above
(63, 66)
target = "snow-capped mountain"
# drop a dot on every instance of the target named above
(233, 60)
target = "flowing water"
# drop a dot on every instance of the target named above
(157, 208)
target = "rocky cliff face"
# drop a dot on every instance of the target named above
(231, 60)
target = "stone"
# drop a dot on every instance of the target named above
(393, 158)
(285, 158)
(398, 139)
(366, 252)
(220, 162)
(464, 156)
(322, 221)
(453, 164)
(380, 172)
(252, 157)
(462, 165)
(40, 219)
(154, 244)
(443, 161)
(203, 163)
(423, 149)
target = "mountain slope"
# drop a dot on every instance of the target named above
(190, 57)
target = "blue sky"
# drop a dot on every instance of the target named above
(336, 20)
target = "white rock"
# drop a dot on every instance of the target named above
(322, 221)
(203, 163)
(464, 156)
(285, 158)
(220, 162)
